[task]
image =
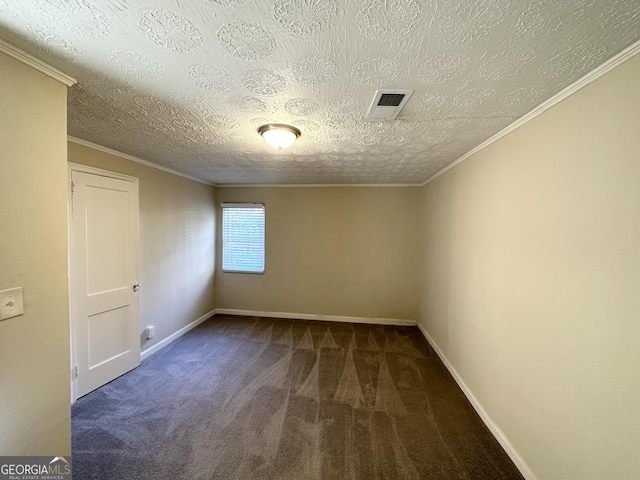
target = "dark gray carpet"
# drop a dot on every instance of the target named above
(248, 398)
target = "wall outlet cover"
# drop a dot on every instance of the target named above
(150, 332)
(11, 303)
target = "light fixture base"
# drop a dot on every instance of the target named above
(279, 135)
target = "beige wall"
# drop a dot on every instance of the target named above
(531, 281)
(34, 348)
(330, 251)
(177, 242)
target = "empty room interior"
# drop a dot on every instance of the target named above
(338, 239)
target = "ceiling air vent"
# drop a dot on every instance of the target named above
(388, 103)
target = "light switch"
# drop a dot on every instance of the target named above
(11, 303)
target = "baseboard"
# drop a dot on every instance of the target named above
(323, 318)
(495, 430)
(253, 313)
(174, 336)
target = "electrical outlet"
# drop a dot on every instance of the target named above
(150, 331)
(11, 304)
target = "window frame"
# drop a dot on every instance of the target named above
(241, 205)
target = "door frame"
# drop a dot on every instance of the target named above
(76, 167)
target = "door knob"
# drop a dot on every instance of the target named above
(136, 287)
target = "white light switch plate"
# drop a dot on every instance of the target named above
(11, 303)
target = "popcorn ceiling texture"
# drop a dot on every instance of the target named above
(186, 84)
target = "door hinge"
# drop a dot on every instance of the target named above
(73, 186)
(75, 372)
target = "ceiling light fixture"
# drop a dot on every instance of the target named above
(279, 135)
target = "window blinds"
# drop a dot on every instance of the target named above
(243, 237)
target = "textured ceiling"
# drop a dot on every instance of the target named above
(186, 83)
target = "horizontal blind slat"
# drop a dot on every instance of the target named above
(243, 238)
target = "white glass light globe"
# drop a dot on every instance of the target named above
(279, 136)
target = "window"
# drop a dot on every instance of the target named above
(243, 237)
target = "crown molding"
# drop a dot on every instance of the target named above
(33, 62)
(126, 156)
(67, 80)
(593, 75)
(319, 185)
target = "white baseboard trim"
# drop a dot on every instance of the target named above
(323, 318)
(253, 313)
(174, 336)
(495, 430)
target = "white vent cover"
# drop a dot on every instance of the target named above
(388, 103)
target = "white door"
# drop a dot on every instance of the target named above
(104, 272)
